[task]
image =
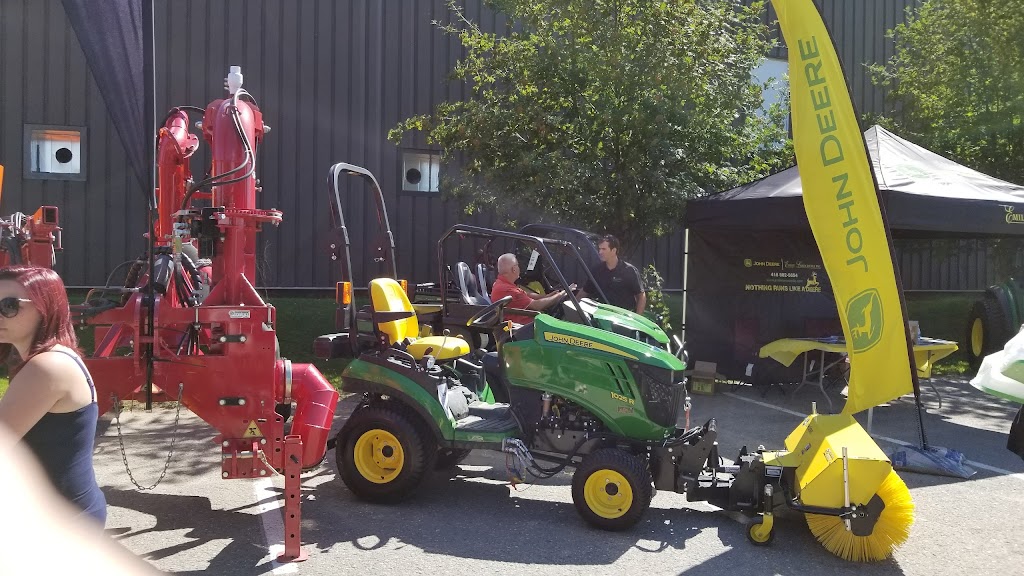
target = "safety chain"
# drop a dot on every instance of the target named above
(174, 437)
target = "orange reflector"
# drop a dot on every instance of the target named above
(405, 285)
(343, 293)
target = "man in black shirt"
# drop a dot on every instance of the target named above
(618, 279)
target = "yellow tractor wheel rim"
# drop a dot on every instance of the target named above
(608, 494)
(378, 456)
(977, 336)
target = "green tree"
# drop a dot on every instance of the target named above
(957, 78)
(606, 114)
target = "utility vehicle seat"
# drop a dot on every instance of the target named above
(486, 275)
(386, 295)
(469, 287)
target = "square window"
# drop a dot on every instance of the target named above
(420, 171)
(54, 152)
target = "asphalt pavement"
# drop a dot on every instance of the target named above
(194, 522)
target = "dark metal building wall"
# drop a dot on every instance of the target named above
(44, 80)
(332, 78)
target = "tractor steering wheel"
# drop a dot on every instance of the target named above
(557, 309)
(486, 317)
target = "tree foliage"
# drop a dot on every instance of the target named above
(606, 114)
(958, 79)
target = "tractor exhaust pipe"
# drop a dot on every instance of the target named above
(315, 401)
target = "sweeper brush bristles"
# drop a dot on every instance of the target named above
(890, 531)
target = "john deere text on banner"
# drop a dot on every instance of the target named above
(842, 207)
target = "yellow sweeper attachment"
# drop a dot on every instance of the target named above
(838, 466)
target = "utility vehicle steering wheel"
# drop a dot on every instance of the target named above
(484, 318)
(557, 309)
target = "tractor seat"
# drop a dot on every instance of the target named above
(469, 287)
(387, 296)
(440, 347)
(486, 275)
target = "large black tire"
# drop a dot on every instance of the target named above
(987, 330)
(383, 453)
(612, 489)
(12, 247)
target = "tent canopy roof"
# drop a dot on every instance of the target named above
(921, 191)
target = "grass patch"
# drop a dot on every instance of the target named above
(299, 322)
(944, 316)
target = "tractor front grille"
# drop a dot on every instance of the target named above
(661, 396)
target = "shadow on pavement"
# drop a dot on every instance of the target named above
(455, 517)
(193, 519)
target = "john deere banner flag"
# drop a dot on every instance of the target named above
(842, 207)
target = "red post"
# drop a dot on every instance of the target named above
(293, 551)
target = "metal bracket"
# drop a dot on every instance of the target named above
(293, 551)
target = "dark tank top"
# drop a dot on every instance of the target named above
(63, 443)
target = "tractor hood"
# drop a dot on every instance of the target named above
(548, 329)
(622, 321)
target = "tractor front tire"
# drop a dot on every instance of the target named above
(383, 453)
(612, 489)
(986, 330)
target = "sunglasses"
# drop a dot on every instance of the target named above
(10, 306)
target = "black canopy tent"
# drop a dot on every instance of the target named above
(754, 273)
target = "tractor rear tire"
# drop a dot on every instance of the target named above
(612, 489)
(384, 452)
(986, 330)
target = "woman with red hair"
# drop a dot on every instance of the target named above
(51, 400)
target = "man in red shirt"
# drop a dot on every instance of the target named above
(505, 285)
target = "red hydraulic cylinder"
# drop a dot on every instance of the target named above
(234, 128)
(175, 146)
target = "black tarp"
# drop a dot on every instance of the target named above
(116, 37)
(111, 35)
(754, 270)
(920, 190)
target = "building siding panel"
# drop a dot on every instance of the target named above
(332, 79)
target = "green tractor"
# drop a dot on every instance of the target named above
(607, 405)
(565, 395)
(994, 319)
(611, 408)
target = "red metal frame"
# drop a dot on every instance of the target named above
(37, 238)
(222, 350)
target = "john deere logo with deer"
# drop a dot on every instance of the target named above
(864, 317)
